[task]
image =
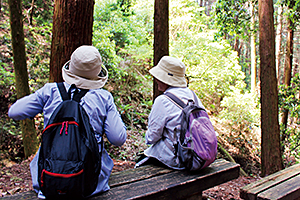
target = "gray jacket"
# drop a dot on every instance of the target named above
(164, 127)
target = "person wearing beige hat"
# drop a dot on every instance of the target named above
(164, 119)
(86, 70)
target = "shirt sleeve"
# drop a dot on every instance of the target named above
(26, 107)
(156, 121)
(115, 129)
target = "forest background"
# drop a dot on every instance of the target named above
(215, 39)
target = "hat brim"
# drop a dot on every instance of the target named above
(82, 82)
(172, 80)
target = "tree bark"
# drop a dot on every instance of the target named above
(161, 35)
(278, 43)
(288, 71)
(270, 139)
(296, 66)
(289, 53)
(253, 51)
(72, 27)
(30, 141)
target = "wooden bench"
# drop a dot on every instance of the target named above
(284, 184)
(152, 182)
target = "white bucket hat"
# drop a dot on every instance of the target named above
(85, 69)
(171, 71)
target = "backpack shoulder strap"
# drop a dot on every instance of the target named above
(176, 100)
(62, 90)
(195, 98)
(78, 94)
(67, 95)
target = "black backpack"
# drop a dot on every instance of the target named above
(69, 160)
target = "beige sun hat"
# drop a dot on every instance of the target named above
(85, 68)
(171, 71)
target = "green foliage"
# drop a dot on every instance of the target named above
(124, 30)
(240, 110)
(11, 127)
(140, 35)
(293, 11)
(42, 11)
(124, 40)
(117, 35)
(212, 66)
(106, 46)
(10, 140)
(232, 18)
(289, 99)
(7, 75)
(186, 16)
(38, 42)
(132, 94)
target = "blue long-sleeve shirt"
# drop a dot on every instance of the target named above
(98, 104)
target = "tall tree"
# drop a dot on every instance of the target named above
(288, 69)
(30, 141)
(271, 160)
(253, 49)
(72, 27)
(278, 42)
(161, 35)
(292, 21)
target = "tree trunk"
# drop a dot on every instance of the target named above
(287, 71)
(236, 46)
(161, 35)
(72, 27)
(21, 76)
(201, 3)
(270, 142)
(289, 53)
(253, 51)
(296, 66)
(278, 43)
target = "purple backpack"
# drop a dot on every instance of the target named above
(197, 143)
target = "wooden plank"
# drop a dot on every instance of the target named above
(176, 184)
(141, 173)
(133, 175)
(288, 190)
(250, 192)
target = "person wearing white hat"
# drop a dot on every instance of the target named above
(86, 70)
(164, 119)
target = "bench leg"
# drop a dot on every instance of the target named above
(197, 196)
